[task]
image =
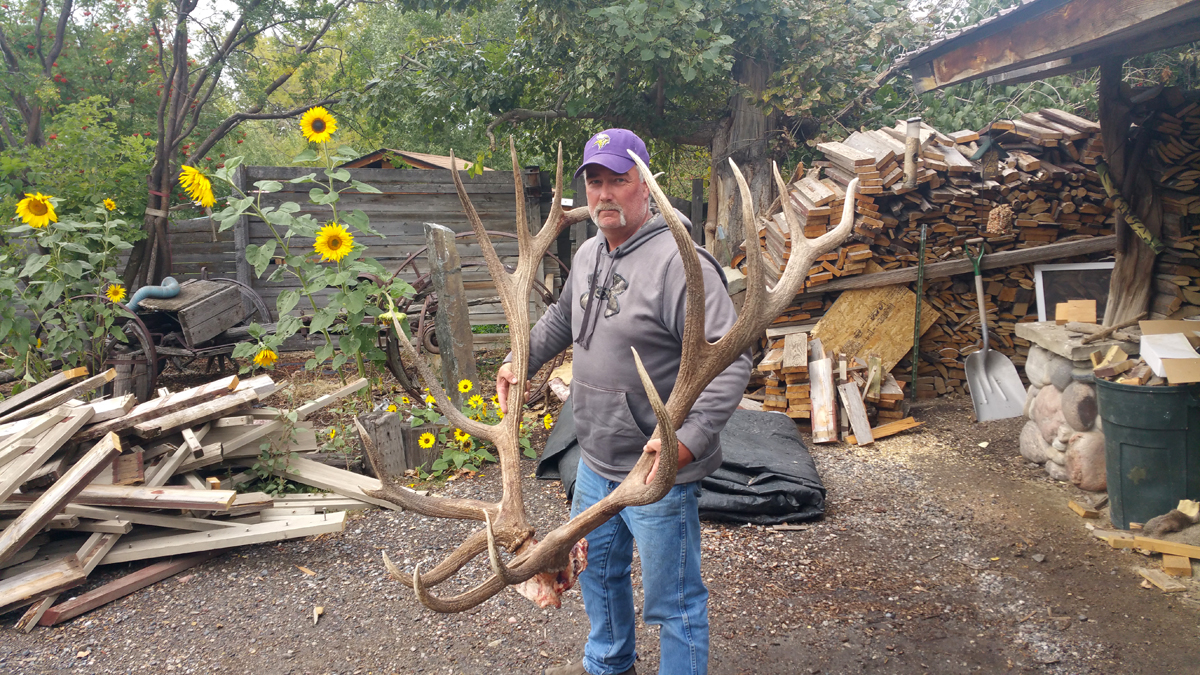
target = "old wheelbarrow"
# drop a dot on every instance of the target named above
(996, 389)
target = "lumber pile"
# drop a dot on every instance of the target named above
(103, 481)
(1175, 167)
(1045, 190)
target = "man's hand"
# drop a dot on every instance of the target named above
(505, 378)
(654, 445)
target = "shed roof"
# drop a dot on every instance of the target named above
(1040, 38)
(420, 160)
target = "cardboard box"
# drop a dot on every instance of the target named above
(1169, 348)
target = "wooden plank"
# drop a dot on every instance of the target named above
(112, 408)
(53, 577)
(21, 468)
(1176, 565)
(148, 497)
(245, 444)
(62, 396)
(1163, 546)
(256, 533)
(824, 409)
(52, 500)
(1003, 259)
(195, 415)
(159, 407)
(104, 526)
(451, 322)
(873, 321)
(20, 442)
(1165, 583)
(337, 480)
(139, 517)
(795, 353)
(309, 408)
(1081, 510)
(121, 587)
(37, 391)
(129, 469)
(889, 429)
(853, 405)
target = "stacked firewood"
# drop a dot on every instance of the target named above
(105, 481)
(1175, 167)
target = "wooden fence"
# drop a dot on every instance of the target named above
(409, 198)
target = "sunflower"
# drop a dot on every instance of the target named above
(333, 242)
(461, 436)
(110, 205)
(464, 386)
(475, 401)
(36, 210)
(426, 440)
(332, 433)
(115, 292)
(391, 408)
(548, 421)
(197, 186)
(405, 401)
(495, 399)
(317, 125)
(430, 399)
(265, 357)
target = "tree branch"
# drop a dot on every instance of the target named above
(60, 34)
(237, 118)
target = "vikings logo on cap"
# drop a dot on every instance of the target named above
(601, 140)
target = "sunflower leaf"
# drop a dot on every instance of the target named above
(342, 175)
(308, 155)
(363, 187)
(268, 185)
(287, 301)
(34, 264)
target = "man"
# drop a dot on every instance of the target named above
(633, 296)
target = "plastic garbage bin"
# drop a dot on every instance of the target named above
(1151, 448)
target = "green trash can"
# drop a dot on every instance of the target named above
(1151, 448)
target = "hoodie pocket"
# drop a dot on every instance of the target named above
(605, 424)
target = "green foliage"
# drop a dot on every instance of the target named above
(460, 451)
(65, 266)
(274, 456)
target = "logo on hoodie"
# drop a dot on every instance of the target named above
(607, 295)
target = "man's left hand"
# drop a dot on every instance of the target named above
(654, 445)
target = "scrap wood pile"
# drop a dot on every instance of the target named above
(1175, 167)
(1045, 190)
(94, 483)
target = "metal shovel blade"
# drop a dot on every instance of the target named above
(996, 388)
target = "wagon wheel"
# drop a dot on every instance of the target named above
(259, 312)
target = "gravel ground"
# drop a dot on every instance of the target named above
(925, 562)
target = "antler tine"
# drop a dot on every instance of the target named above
(838, 234)
(457, 603)
(454, 415)
(754, 277)
(519, 193)
(500, 275)
(668, 456)
(494, 555)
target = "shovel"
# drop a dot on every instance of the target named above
(996, 389)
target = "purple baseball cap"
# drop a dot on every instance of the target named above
(608, 149)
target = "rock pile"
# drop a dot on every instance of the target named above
(1063, 433)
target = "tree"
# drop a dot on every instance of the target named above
(746, 80)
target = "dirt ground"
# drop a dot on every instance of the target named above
(927, 561)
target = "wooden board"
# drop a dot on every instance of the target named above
(309, 408)
(1162, 546)
(159, 407)
(1165, 583)
(853, 405)
(60, 397)
(1081, 510)
(147, 497)
(254, 533)
(337, 480)
(21, 468)
(822, 395)
(37, 391)
(1176, 565)
(119, 588)
(889, 429)
(53, 577)
(795, 353)
(873, 321)
(140, 517)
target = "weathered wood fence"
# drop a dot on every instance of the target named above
(409, 198)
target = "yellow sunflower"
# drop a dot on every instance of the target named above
(115, 292)
(265, 357)
(197, 186)
(405, 401)
(430, 399)
(36, 210)
(548, 421)
(495, 399)
(461, 436)
(110, 205)
(464, 386)
(475, 401)
(426, 440)
(391, 408)
(318, 125)
(332, 433)
(333, 242)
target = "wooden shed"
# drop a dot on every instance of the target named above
(1041, 38)
(387, 158)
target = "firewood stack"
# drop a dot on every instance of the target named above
(1175, 166)
(76, 477)
(1046, 190)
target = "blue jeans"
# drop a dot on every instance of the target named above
(668, 540)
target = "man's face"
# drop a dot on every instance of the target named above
(617, 200)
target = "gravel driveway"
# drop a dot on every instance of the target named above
(925, 562)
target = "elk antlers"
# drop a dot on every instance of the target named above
(505, 522)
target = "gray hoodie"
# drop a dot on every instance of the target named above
(638, 298)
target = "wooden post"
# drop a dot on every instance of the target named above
(912, 148)
(452, 322)
(579, 231)
(697, 214)
(415, 455)
(385, 431)
(720, 248)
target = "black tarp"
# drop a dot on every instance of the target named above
(766, 476)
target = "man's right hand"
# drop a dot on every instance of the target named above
(505, 378)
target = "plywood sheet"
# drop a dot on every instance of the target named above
(873, 321)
